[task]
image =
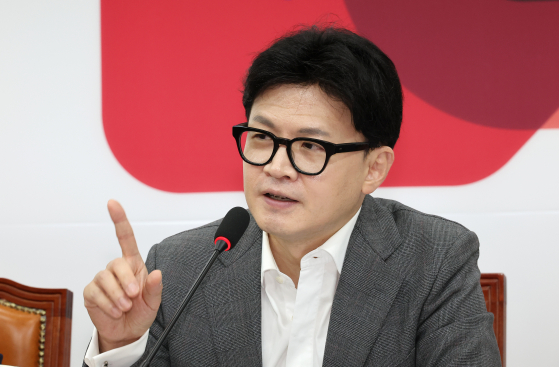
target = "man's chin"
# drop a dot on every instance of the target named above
(276, 225)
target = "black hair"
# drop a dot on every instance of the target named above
(346, 66)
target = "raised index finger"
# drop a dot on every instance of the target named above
(124, 231)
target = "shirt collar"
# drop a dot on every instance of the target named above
(336, 246)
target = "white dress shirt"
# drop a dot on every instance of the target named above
(294, 320)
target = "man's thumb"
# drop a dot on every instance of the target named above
(153, 289)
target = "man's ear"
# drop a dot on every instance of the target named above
(379, 162)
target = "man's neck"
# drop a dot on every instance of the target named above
(288, 256)
(289, 252)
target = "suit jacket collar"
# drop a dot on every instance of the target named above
(233, 301)
(377, 226)
(367, 287)
(251, 237)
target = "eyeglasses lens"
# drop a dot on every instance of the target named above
(308, 156)
(257, 147)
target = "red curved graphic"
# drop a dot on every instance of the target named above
(436, 148)
(491, 62)
(172, 73)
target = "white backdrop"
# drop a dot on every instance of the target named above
(57, 173)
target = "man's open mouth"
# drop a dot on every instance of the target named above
(280, 198)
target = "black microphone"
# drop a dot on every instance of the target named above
(229, 232)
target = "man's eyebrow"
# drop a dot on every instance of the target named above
(264, 121)
(306, 130)
(313, 131)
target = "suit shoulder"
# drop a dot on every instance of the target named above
(201, 232)
(191, 243)
(414, 224)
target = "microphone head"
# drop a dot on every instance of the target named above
(232, 227)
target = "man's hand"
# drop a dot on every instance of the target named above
(122, 300)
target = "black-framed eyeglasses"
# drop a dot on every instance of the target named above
(307, 155)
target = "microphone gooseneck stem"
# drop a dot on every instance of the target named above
(180, 309)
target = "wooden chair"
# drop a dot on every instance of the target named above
(493, 286)
(35, 325)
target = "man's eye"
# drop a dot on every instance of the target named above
(311, 146)
(261, 136)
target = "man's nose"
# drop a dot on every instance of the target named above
(281, 166)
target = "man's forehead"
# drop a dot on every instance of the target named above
(301, 97)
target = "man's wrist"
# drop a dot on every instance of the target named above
(107, 345)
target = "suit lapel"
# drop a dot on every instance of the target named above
(366, 290)
(233, 299)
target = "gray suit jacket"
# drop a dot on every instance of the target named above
(408, 295)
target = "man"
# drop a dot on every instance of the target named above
(325, 275)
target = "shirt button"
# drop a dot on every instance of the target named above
(280, 280)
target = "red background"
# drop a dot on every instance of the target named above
(479, 77)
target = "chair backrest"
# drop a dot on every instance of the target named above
(494, 291)
(35, 325)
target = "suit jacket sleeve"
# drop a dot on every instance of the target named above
(455, 328)
(162, 358)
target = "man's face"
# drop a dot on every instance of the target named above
(292, 206)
